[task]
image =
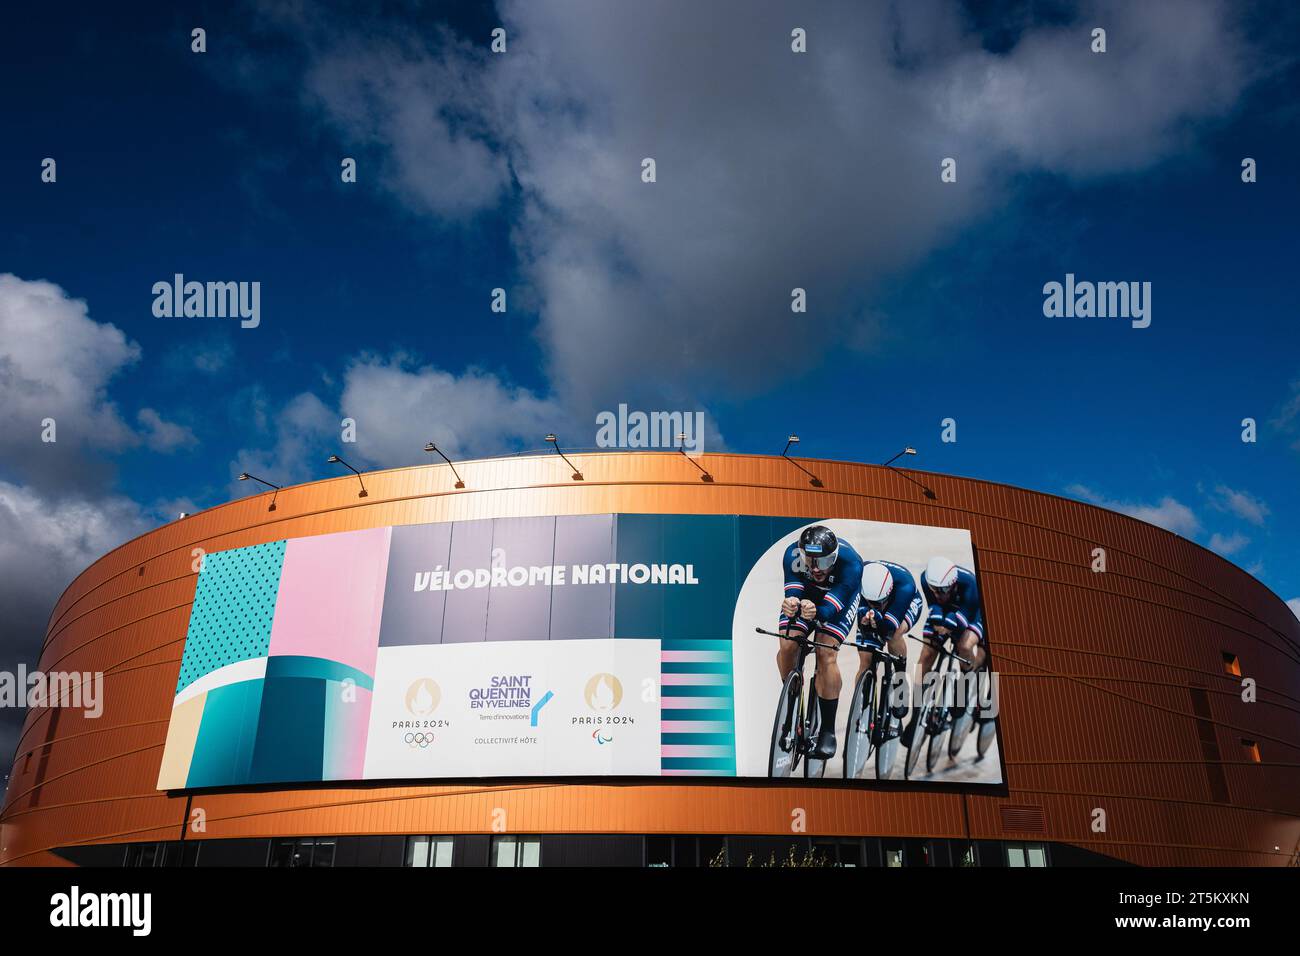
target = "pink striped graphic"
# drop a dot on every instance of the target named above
(694, 750)
(695, 726)
(694, 680)
(696, 703)
(695, 657)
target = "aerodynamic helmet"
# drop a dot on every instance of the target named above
(819, 547)
(941, 575)
(877, 583)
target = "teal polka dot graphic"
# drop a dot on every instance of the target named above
(233, 607)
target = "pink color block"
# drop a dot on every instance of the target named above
(331, 597)
(346, 727)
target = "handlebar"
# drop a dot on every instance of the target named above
(940, 648)
(860, 645)
(797, 640)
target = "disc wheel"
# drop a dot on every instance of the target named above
(784, 754)
(813, 767)
(887, 748)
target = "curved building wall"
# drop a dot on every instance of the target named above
(1114, 691)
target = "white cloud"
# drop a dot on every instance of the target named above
(398, 405)
(213, 358)
(1294, 605)
(428, 114)
(56, 362)
(163, 436)
(1228, 544)
(1168, 513)
(300, 437)
(1054, 104)
(1240, 503)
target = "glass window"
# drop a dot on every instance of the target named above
(918, 853)
(304, 851)
(712, 851)
(428, 851)
(659, 851)
(503, 850)
(417, 850)
(1026, 854)
(282, 852)
(440, 855)
(323, 854)
(893, 856)
(530, 852)
(516, 851)
(839, 852)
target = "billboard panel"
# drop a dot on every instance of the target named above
(588, 645)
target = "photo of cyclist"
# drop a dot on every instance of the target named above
(955, 613)
(890, 605)
(823, 577)
(778, 726)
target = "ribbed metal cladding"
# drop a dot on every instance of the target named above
(1115, 698)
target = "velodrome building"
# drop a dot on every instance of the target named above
(545, 661)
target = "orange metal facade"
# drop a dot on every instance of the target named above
(1115, 694)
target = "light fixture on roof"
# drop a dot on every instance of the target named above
(909, 450)
(681, 447)
(245, 476)
(431, 447)
(785, 453)
(577, 475)
(335, 459)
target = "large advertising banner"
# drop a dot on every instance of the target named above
(586, 645)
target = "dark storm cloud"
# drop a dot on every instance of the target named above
(775, 170)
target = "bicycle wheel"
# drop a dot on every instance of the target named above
(858, 735)
(813, 767)
(988, 731)
(885, 736)
(935, 750)
(920, 730)
(785, 728)
(961, 726)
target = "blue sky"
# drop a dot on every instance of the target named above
(523, 171)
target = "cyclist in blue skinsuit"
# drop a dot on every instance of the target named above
(823, 576)
(890, 606)
(956, 613)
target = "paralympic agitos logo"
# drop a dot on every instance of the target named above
(603, 693)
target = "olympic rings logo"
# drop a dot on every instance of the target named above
(419, 740)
